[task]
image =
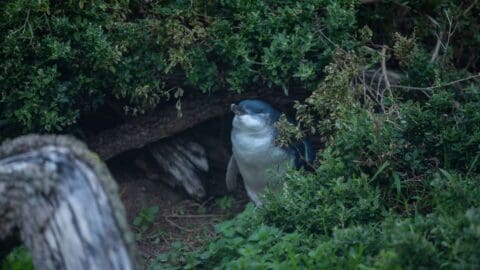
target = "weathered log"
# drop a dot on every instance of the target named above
(64, 203)
(164, 122)
(194, 160)
(185, 163)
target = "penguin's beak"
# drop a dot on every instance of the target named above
(237, 110)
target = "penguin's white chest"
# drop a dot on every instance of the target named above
(259, 160)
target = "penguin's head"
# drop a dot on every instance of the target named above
(254, 114)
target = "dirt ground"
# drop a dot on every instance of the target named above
(179, 220)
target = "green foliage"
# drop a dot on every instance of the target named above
(447, 237)
(55, 57)
(18, 259)
(64, 60)
(305, 203)
(397, 185)
(145, 218)
(224, 203)
(288, 132)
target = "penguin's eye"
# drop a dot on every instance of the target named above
(258, 112)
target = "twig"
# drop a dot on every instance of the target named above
(433, 20)
(25, 22)
(373, 77)
(450, 30)
(380, 95)
(470, 7)
(328, 39)
(194, 216)
(384, 67)
(178, 226)
(437, 47)
(364, 87)
(436, 86)
(207, 201)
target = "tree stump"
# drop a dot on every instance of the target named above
(64, 203)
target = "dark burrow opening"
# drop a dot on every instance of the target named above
(161, 212)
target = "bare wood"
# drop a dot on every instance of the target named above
(384, 67)
(185, 162)
(231, 177)
(195, 216)
(164, 122)
(64, 203)
(429, 88)
(436, 51)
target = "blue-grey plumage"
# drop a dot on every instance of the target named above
(255, 155)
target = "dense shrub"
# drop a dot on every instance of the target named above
(396, 185)
(62, 60)
(306, 203)
(394, 190)
(55, 58)
(347, 216)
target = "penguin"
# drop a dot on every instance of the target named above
(255, 156)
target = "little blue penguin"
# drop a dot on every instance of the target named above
(254, 153)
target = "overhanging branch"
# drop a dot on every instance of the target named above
(164, 122)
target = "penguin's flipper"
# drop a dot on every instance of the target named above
(232, 174)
